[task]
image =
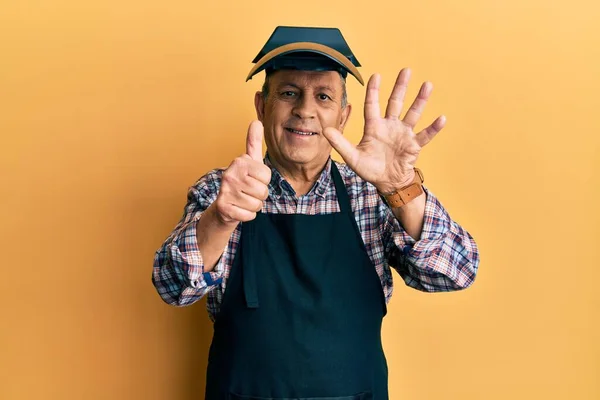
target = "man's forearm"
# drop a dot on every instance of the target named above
(411, 216)
(213, 235)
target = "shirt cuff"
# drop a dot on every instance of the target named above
(436, 224)
(186, 245)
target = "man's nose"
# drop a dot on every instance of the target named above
(305, 107)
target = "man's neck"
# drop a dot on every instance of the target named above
(301, 177)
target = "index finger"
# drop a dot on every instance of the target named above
(261, 173)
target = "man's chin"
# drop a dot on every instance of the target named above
(305, 158)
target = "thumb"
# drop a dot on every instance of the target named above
(254, 141)
(348, 152)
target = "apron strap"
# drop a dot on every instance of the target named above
(248, 270)
(340, 189)
(344, 200)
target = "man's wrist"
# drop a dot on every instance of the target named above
(218, 219)
(402, 195)
(390, 188)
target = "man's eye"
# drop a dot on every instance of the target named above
(324, 97)
(289, 93)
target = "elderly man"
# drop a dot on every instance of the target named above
(294, 249)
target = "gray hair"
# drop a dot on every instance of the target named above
(265, 89)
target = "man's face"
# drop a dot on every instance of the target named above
(299, 106)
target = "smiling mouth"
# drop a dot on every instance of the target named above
(301, 133)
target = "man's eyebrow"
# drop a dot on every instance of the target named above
(284, 84)
(326, 87)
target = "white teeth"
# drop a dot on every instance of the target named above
(301, 133)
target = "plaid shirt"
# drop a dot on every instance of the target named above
(445, 257)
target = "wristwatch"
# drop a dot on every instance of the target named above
(408, 193)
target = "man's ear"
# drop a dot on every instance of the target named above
(346, 111)
(259, 104)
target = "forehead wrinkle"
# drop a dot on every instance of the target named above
(319, 79)
(319, 86)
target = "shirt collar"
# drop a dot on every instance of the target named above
(279, 185)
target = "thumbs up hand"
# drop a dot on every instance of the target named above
(244, 184)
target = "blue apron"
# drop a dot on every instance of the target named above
(301, 314)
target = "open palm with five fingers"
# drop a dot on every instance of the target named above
(389, 148)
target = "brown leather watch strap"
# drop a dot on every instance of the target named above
(406, 194)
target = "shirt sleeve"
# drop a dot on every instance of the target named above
(445, 258)
(178, 271)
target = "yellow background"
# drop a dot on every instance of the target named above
(110, 110)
